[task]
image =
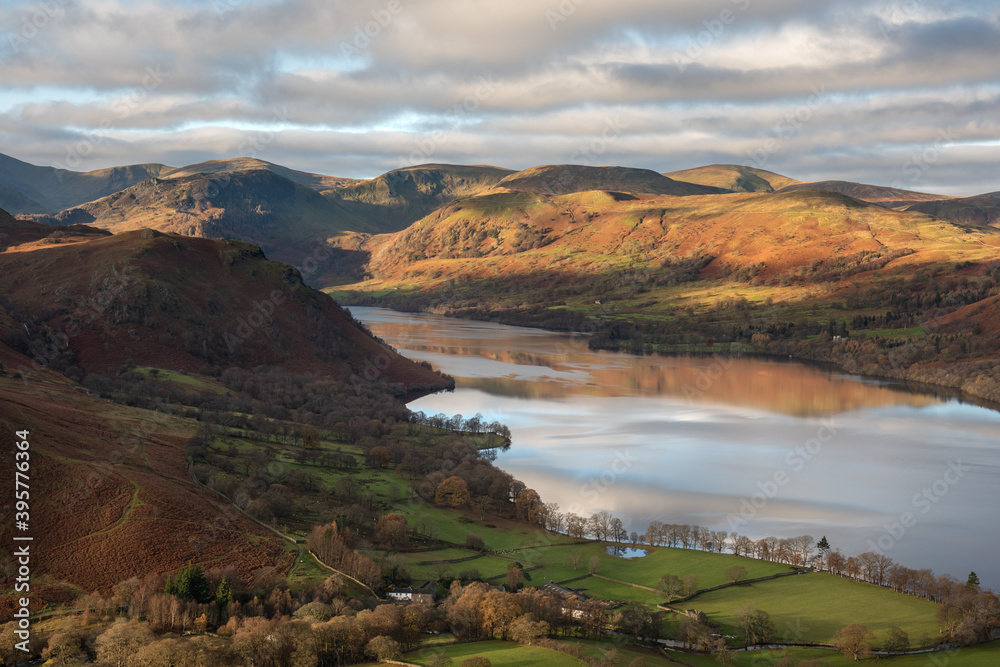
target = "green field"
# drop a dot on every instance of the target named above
(812, 607)
(977, 656)
(180, 378)
(710, 567)
(501, 654)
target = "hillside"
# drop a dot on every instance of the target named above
(182, 303)
(805, 273)
(775, 235)
(570, 178)
(401, 197)
(876, 194)
(112, 498)
(253, 205)
(50, 190)
(733, 177)
(980, 210)
(294, 216)
(317, 182)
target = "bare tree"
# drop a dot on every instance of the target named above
(736, 573)
(855, 640)
(670, 585)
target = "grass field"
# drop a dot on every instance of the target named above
(812, 607)
(501, 654)
(184, 379)
(710, 567)
(977, 656)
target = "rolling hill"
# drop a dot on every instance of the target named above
(769, 273)
(594, 232)
(112, 485)
(254, 205)
(733, 177)
(567, 178)
(182, 303)
(50, 190)
(876, 194)
(979, 210)
(294, 216)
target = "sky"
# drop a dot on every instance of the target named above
(903, 93)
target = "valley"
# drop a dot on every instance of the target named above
(224, 453)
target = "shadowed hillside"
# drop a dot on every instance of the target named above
(568, 178)
(982, 210)
(401, 197)
(50, 190)
(183, 303)
(876, 194)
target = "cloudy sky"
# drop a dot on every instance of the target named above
(904, 92)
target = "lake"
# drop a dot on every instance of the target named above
(754, 446)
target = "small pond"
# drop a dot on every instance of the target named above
(626, 552)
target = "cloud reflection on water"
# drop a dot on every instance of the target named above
(699, 449)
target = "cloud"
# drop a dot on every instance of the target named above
(354, 88)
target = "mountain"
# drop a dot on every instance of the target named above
(876, 194)
(255, 205)
(317, 182)
(733, 177)
(575, 238)
(50, 190)
(183, 303)
(979, 210)
(567, 179)
(292, 215)
(111, 483)
(400, 197)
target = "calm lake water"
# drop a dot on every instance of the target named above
(752, 446)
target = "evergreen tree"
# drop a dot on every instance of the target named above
(973, 582)
(190, 584)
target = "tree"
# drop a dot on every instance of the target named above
(756, 624)
(670, 585)
(392, 531)
(190, 584)
(972, 583)
(514, 579)
(636, 620)
(599, 525)
(117, 644)
(473, 541)
(223, 595)
(690, 585)
(526, 630)
(616, 530)
(498, 610)
(575, 557)
(736, 573)
(898, 641)
(383, 648)
(453, 492)
(594, 565)
(483, 505)
(65, 647)
(529, 506)
(855, 640)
